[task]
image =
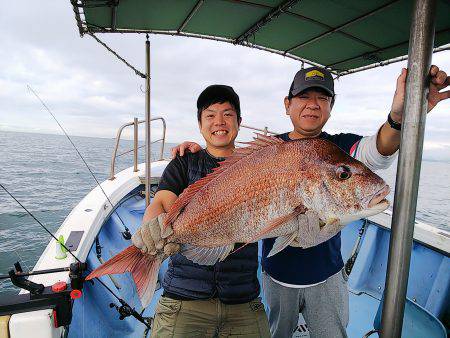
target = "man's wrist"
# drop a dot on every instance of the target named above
(393, 123)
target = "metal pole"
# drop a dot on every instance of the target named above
(135, 143)
(408, 170)
(148, 154)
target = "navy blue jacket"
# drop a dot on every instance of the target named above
(234, 280)
(316, 264)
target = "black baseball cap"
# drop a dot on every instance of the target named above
(312, 77)
(218, 94)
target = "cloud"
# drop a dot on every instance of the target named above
(92, 93)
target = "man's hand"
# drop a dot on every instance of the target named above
(438, 81)
(150, 238)
(184, 147)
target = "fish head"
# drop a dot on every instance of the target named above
(344, 189)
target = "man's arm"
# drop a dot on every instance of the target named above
(161, 203)
(173, 181)
(150, 236)
(388, 138)
(366, 152)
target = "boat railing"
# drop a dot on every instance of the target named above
(265, 130)
(136, 146)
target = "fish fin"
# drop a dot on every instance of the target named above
(281, 243)
(261, 141)
(275, 223)
(205, 256)
(143, 268)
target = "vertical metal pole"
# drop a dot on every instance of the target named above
(148, 155)
(408, 170)
(135, 144)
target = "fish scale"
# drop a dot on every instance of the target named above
(264, 180)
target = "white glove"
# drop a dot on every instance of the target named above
(150, 238)
(312, 231)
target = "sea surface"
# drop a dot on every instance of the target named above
(47, 176)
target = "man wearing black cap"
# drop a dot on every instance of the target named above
(199, 300)
(313, 281)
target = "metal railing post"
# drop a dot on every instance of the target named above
(148, 154)
(266, 130)
(135, 143)
(113, 158)
(408, 169)
(161, 154)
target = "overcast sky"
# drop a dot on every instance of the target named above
(92, 93)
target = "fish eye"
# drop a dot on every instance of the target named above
(343, 172)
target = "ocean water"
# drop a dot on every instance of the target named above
(46, 175)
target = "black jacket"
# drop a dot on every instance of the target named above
(234, 280)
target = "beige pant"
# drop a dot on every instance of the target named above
(209, 318)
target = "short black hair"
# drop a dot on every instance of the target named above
(218, 94)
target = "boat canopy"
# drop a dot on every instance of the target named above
(345, 36)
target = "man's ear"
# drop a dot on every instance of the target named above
(333, 98)
(287, 102)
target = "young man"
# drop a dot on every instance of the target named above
(204, 301)
(312, 281)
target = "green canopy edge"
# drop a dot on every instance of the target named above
(345, 37)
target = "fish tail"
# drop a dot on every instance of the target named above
(143, 268)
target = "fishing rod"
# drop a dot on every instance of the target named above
(39, 222)
(124, 310)
(34, 273)
(126, 234)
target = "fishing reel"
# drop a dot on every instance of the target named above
(126, 310)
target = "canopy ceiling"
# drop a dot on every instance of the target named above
(345, 36)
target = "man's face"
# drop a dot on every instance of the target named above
(219, 125)
(309, 111)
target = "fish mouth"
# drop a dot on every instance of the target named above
(379, 197)
(376, 209)
(378, 203)
(379, 207)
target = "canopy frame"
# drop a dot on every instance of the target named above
(244, 38)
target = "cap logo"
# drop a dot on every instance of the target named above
(314, 75)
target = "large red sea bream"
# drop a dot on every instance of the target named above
(261, 191)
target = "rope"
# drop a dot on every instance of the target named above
(138, 73)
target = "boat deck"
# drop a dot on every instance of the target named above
(429, 278)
